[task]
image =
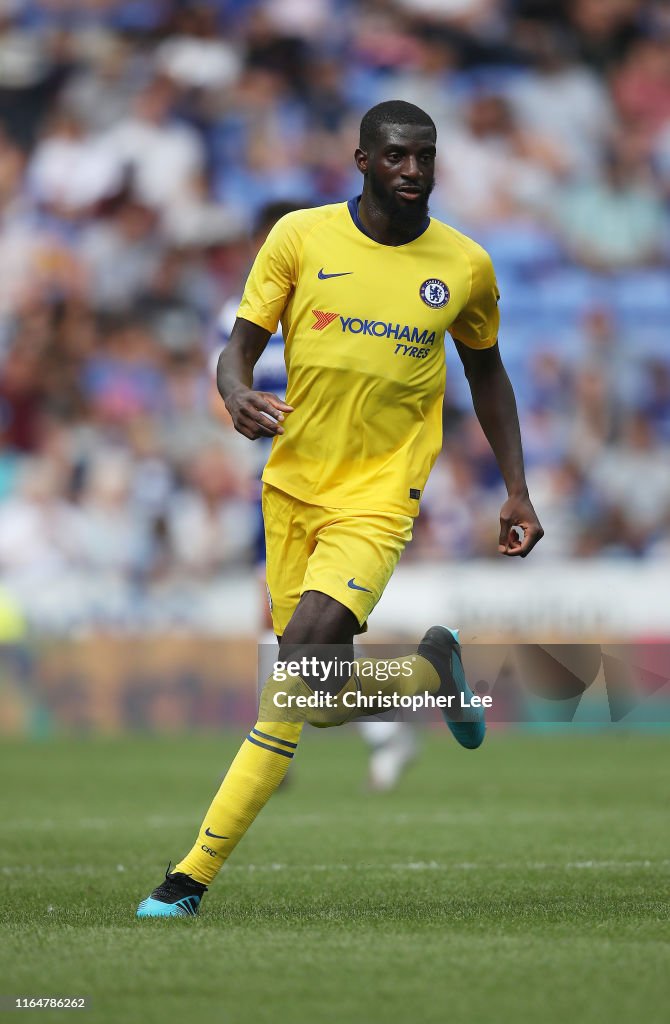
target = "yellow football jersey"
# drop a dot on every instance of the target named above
(364, 326)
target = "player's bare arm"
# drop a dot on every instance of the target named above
(254, 413)
(495, 407)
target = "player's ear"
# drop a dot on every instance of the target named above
(361, 158)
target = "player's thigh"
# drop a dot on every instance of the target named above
(287, 549)
(354, 558)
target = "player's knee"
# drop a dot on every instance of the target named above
(286, 697)
(283, 697)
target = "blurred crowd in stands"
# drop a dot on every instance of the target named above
(140, 139)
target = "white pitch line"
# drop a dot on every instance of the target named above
(410, 866)
(594, 865)
(159, 821)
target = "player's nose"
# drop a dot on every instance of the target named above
(411, 168)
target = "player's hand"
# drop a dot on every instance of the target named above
(518, 514)
(257, 413)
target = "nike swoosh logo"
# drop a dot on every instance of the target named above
(354, 586)
(213, 835)
(324, 277)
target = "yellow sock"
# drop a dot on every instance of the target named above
(416, 675)
(371, 678)
(260, 765)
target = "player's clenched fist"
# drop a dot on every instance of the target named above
(520, 528)
(256, 413)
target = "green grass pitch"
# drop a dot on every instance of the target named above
(527, 881)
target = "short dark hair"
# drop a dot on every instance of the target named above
(395, 112)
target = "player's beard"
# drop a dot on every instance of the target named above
(409, 215)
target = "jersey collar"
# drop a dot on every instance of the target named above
(352, 206)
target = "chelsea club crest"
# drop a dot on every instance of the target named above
(434, 293)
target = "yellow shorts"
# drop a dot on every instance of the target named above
(348, 554)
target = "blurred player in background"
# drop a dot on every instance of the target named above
(393, 745)
(366, 291)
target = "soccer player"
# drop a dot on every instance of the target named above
(365, 292)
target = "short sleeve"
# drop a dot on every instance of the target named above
(273, 277)
(477, 324)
